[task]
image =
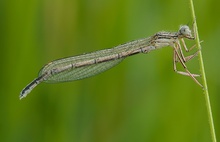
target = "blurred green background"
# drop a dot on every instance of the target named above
(140, 100)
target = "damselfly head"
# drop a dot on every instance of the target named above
(185, 31)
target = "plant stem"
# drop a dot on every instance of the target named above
(202, 69)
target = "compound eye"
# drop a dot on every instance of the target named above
(184, 30)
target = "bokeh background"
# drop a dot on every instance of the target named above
(139, 100)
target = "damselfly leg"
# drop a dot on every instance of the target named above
(178, 56)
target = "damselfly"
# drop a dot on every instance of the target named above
(90, 64)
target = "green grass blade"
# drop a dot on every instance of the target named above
(206, 92)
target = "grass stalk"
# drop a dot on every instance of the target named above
(202, 69)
